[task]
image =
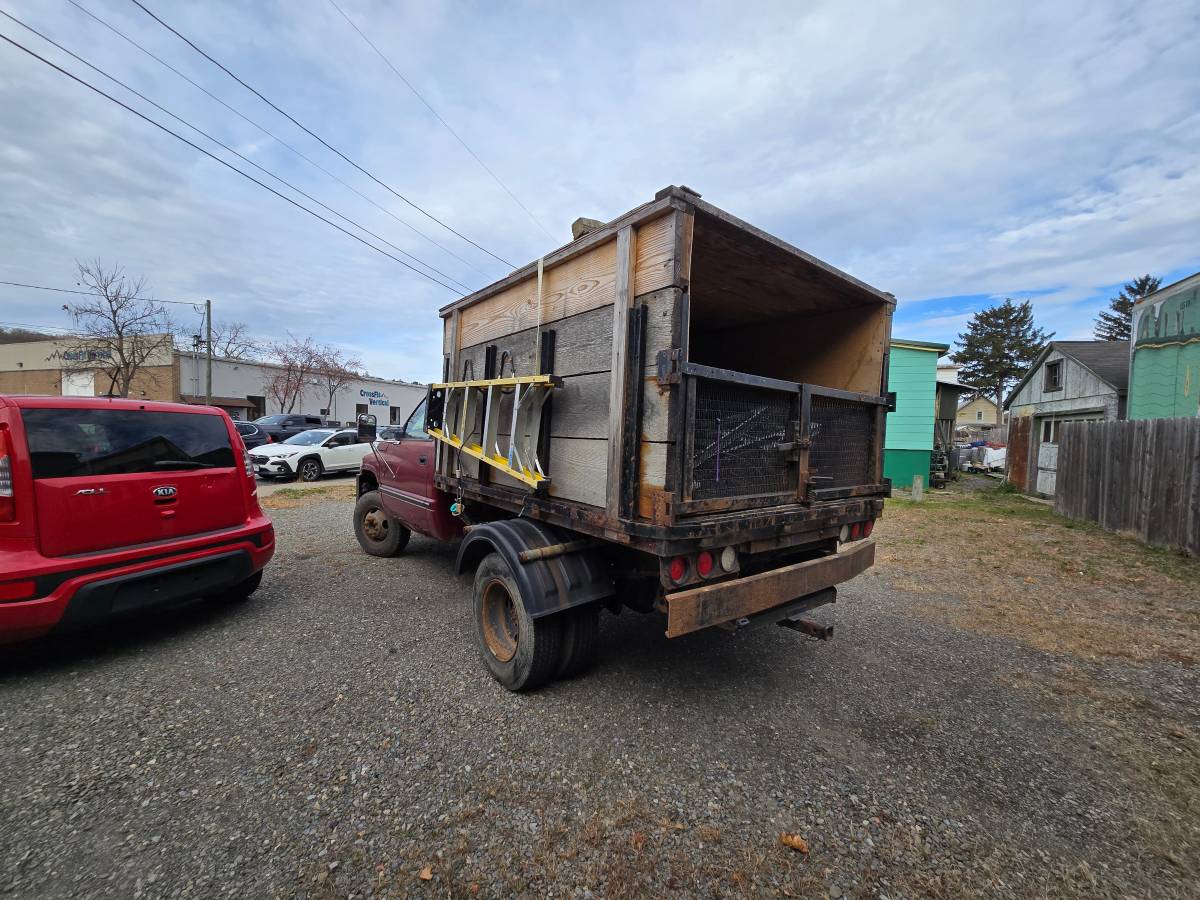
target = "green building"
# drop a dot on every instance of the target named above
(1164, 374)
(912, 375)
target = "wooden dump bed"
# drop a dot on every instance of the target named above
(706, 367)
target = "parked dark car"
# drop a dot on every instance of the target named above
(285, 425)
(252, 435)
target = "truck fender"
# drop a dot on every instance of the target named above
(547, 585)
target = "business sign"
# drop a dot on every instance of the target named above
(86, 355)
(375, 398)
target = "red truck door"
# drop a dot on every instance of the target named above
(408, 493)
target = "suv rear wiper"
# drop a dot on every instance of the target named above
(181, 464)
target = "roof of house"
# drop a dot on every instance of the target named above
(976, 398)
(920, 345)
(1162, 292)
(1107, 360)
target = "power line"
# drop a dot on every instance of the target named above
(35, 327)
(445, 124)
(230, 149)
(317, 137)
(38, 287)
(227, 165)
(272, 136)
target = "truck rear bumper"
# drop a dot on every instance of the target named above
(711, 604)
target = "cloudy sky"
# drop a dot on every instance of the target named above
(949, 153)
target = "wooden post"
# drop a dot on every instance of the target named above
(918, 489)
(623, 300)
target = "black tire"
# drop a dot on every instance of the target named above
(377, 532)
(580, 640)
(521, 652)
(310, 469)
(243, 589)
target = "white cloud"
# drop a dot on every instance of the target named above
(933, 150)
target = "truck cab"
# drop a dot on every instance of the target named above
(397, 478)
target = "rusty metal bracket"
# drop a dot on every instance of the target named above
(668, 363)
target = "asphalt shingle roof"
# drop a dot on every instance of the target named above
(1108, 359)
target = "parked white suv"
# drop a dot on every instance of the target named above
(310, 454)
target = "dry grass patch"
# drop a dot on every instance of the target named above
(292, 498)
(997, 563)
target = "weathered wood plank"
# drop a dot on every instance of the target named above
(644, 213)
(627, 250)
(654, 264)
(583, 342)
(582, 283)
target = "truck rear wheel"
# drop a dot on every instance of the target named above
(377, 532)
(521, 652)
(580, 640)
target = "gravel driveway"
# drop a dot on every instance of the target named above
(336, 736)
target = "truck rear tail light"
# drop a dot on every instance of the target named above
(868, 527)
(249, 465)
(679, 569)
(17, 590)
(704, 563)
(844, 534)
(856, 531)
(728, 559)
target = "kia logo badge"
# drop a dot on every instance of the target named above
(165, 491)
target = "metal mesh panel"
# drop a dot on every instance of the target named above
(736, 437)
(842, 434)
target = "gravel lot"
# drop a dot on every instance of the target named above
(336, 736)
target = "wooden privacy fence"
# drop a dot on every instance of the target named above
(1141, 477)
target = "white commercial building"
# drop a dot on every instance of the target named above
(240, 387)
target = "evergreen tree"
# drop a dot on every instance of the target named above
(1113, 324)
(997, 348)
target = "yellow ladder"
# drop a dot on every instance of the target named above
(460, 401)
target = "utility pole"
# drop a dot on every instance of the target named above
(208, 343)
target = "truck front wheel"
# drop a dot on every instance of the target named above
(377, 532)
(521, 652)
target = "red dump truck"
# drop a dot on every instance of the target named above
(676, 413)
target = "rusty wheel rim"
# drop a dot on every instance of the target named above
(375, 525)
(500, 626)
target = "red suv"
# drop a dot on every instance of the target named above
(110, 506)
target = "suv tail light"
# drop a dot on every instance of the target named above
(7, 506)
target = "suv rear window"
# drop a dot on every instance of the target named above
(66, 443)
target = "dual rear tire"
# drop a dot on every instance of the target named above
(522, 652)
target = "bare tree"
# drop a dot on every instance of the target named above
(297, 360)
(233, 341)
(119, 331)
(335, 369)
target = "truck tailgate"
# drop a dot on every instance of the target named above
(691, 610)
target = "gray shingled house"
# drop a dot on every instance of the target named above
(1070, 381)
